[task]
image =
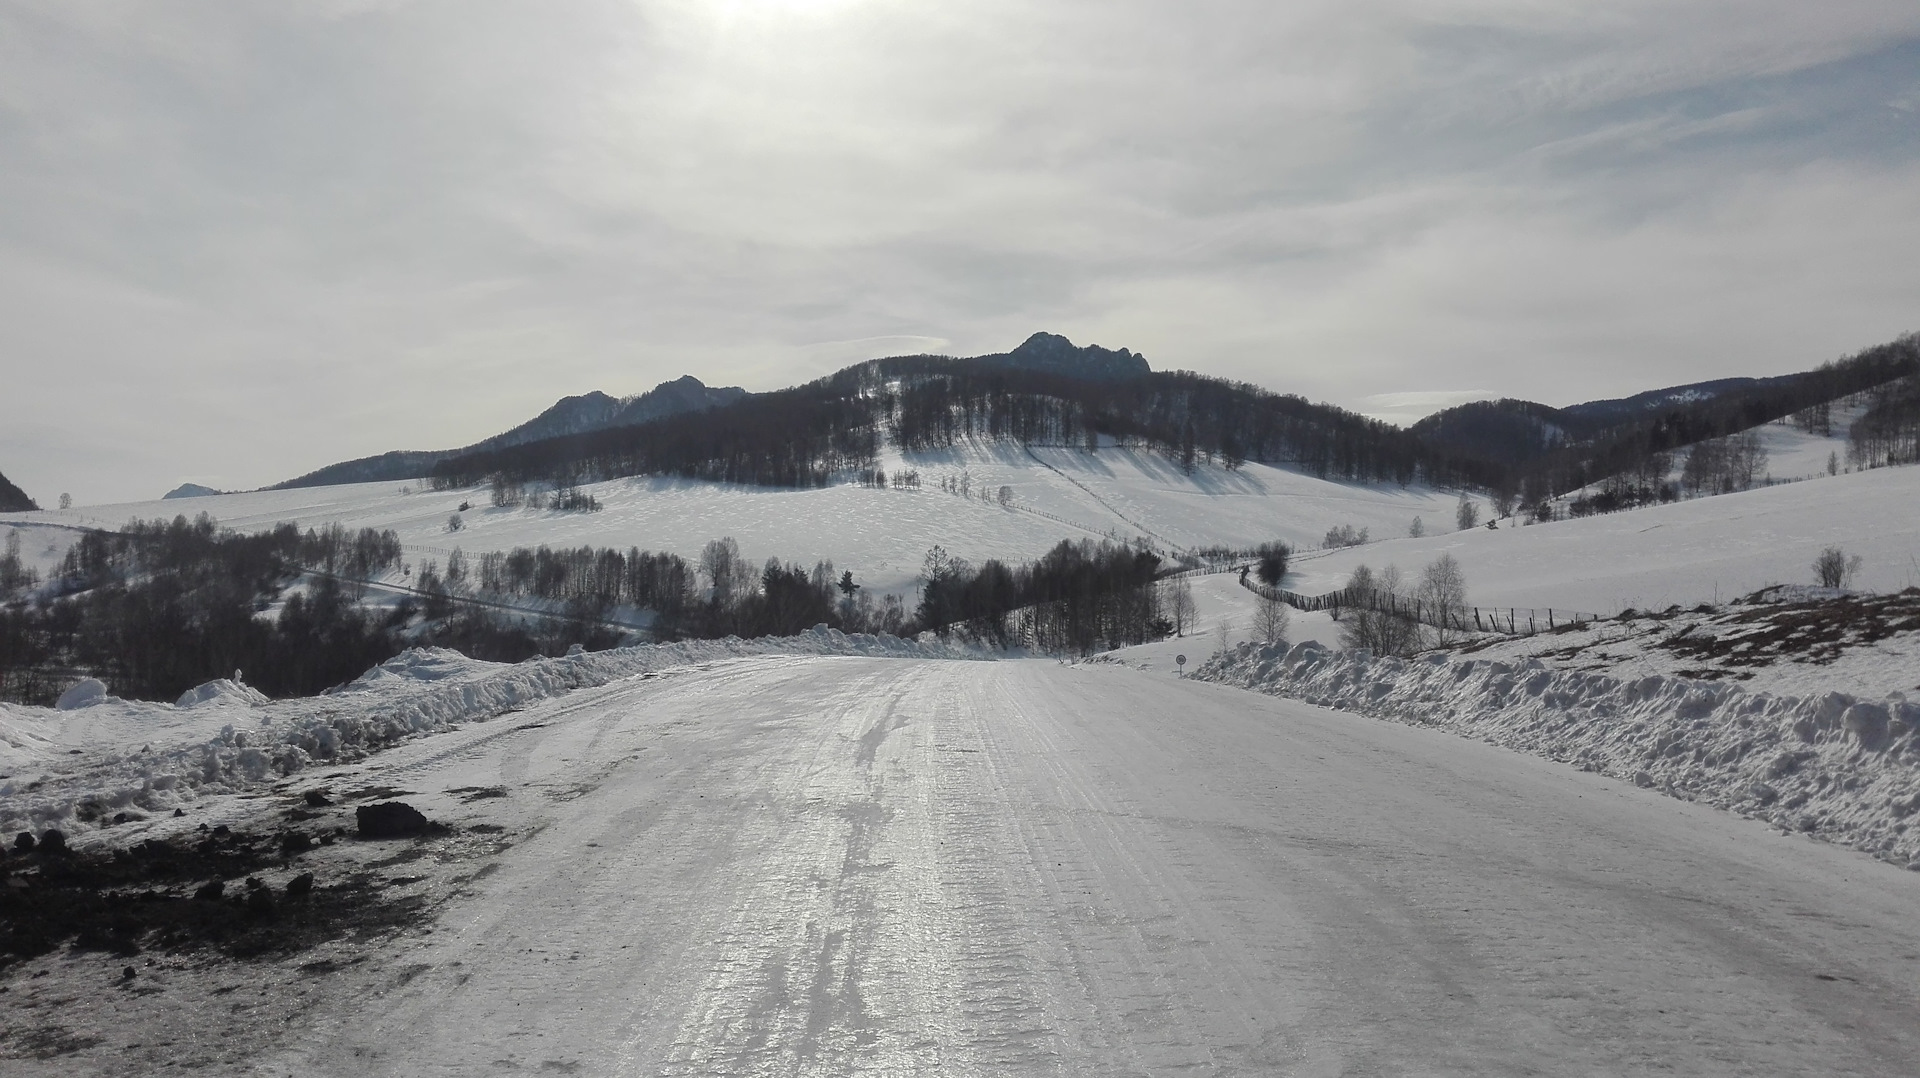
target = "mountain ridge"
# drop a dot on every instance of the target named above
(13, 499)
(577, 414)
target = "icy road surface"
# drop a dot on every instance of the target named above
(833, 866)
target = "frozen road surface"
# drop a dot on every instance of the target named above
(840, 866)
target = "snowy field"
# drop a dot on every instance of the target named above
(1708, 550)
(882, 535)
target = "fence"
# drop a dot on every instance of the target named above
(1512, 621)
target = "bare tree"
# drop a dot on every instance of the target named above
(724, 568)
(1378, 620)
(1270, 620)
(1226, 636)
(1467, 513)
(1443, 591)
(1835, 569)
(1177, 596)
(1417, 528)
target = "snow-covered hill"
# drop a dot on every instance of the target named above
(882, 535)
(1685, 553)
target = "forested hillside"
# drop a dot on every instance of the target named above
(13, 499)
(1535, 451)
(806, 435)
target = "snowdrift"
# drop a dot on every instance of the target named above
(1843, 769)
(417, 692)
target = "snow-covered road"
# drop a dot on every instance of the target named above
(833, 866)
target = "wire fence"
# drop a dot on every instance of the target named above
(1508, 621)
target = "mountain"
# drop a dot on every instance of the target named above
(1543, 450)
(1049, 353)
(13, 499)
(1507, 430)
(1627, 409)
(569, 415)
(1046, 392)
(190, 490)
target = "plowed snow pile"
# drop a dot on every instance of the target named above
(76, 770)
(1841, 768)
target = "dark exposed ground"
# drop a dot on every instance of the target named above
(110, 965)
(1771, 628)
(1814, 631)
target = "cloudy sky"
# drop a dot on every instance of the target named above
(242, 240)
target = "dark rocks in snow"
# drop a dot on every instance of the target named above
(52, 842)
(169, 894)
(24, 841)
(390, 819)
(179, 813)
(222, 831)
(295, 843)
(300, 887)
(317, 799)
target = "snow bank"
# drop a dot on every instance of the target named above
(222, 691)
(418, 692)
(85, 693)
(1842, 768)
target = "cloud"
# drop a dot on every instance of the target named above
(311, 232)
(1406, 409)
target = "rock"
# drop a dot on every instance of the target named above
(210, 892)
(294, 843)
(129, 973)
(317, 799)
(1763, 793)
(1643, 780)
(222, 831)
(24, 841)
(389, 819)
(179, 812)
(300, 886)
(52, 841)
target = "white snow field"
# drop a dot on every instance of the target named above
(1701, 551)
(882, 535)
(851, 865)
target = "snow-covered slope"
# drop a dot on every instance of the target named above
(1705, 550)
(882, 535)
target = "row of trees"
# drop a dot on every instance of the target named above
(1078, 598)
(159, 607)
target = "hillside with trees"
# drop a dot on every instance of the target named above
(1047, 392)
(1531, 452)
(13, 499)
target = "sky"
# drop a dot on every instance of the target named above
(239, 241)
